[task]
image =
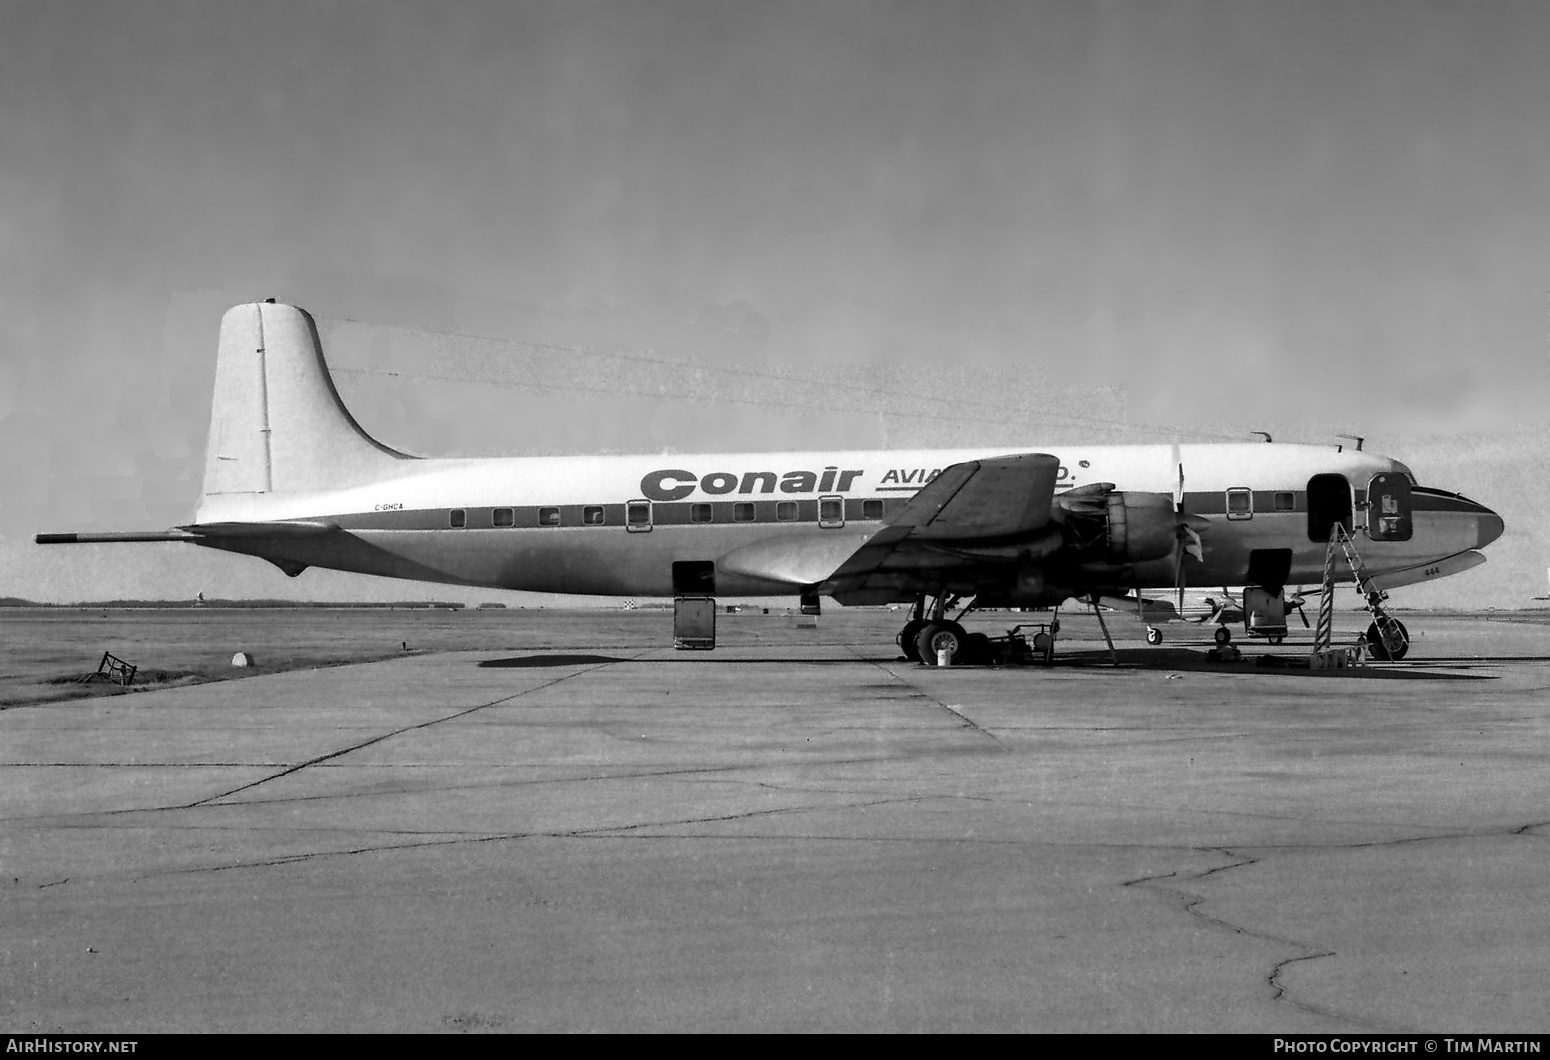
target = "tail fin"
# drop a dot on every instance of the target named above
(277, 424)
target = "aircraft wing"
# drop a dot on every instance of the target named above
(1002, 497)
(974, 512)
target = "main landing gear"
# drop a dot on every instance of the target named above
(923, 636)
(929, 634)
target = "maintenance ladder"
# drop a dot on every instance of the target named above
(1388, 629)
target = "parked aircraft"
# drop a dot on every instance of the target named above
(292, 478)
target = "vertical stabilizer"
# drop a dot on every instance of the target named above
(277, 424)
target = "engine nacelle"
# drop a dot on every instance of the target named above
(1118, 526)
(1142, 526)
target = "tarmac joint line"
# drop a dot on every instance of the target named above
(921, 693)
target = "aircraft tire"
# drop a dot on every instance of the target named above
(1380, 650)
(1275, 642)
(1153, 635)
(931, 639)
(1404, 647)
(1222, 635)
(906, 638)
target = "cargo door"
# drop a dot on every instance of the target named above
(694, 623)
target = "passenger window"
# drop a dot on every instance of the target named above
(637, 516)
(1286, 502)
(699, 513)
(459, 517)
(786, 511)
(871, 509)
(592, 515)
(548, 517)
(502, 517)
(1240, 504)
(742, 513)
(831, 512)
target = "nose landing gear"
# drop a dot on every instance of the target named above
(1388, 639)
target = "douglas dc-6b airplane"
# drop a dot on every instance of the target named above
(292, 478)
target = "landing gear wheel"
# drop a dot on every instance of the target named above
(1275, 642)
(937, 636)
(1222, 635)
(1396, 647)
(906, 638)
(1153, 635)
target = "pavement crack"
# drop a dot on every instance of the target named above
(385, 736)
(1279, 991)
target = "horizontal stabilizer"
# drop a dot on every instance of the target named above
(92, 539)
(277, 528)
(196, 532)
(1149, 608)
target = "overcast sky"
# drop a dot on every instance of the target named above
(602, 227)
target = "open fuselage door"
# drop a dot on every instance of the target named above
(1389, 514)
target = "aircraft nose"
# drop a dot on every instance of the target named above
(1488, 527)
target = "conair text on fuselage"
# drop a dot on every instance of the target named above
(674, 484)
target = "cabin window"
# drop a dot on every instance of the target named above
(1286, 501)
(786, 511)
(502, 517)
(1240, 503)
(699, 513)
(871, 509)
(458, 517)
(831, 512)
(592, 515)
(548, 517)
(637, 516)
(742, 513)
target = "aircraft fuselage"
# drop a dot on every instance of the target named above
(616, 525)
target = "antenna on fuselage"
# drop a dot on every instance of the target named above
(1357, 438)
(1265, 435)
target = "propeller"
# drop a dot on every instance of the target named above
(1294, 603)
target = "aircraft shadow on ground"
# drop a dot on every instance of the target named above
(523, 662)
(1172, 660)
(1180, 659)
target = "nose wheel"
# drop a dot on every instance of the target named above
(1153, 635)
(1388, 639)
